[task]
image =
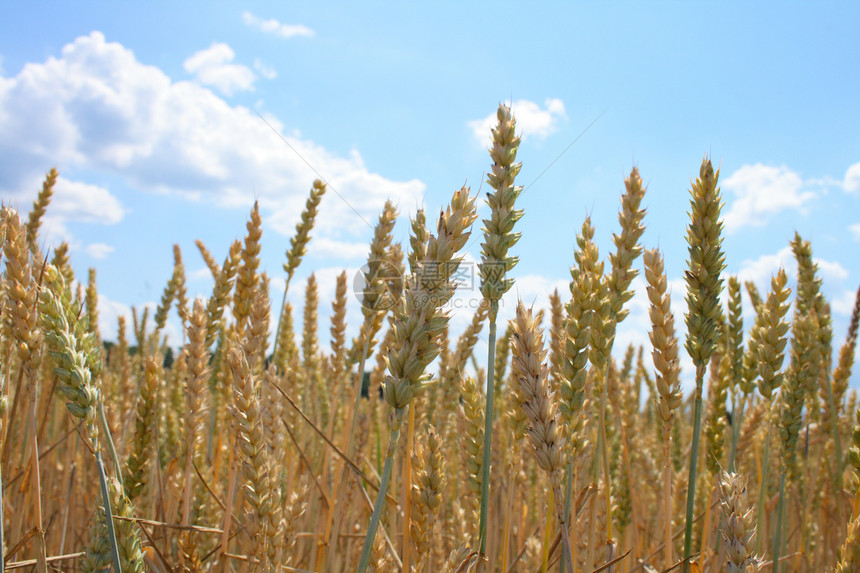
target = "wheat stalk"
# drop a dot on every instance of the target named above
(417, 331)
(703, 291)
(495, 265)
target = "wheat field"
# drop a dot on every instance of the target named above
(401, 449)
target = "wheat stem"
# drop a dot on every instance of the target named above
(488, 427)
(380, 498)
(780, 515)
(763, 491)
(407, 490)
(694, 458)
(108, 513)
(568, 497)
(111, 447)
(737, 422)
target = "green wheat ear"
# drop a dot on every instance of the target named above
(707, 260)
(498, 229)
(704, 315)
(495, 265)
(74, 356)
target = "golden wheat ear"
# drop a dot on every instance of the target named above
(737, 525)
(537, 401)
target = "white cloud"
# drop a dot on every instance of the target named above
(532, 119)
(201, 274)
(762, 191)
(267, 72)
(855, 230)
(325, 247)
(823, 183)
(77, 201)
(272, 26)
(843, 304)
(831, 269)
(533, 290)
(852, 178)
(110, 311)
(761, 270)
(97, 108)
(99, 250)
(212, 67)
(72, 202)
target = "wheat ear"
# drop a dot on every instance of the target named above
(665, 357)
(769, 336)
(537, 401)
(72, 359)
(40, 205)
(495, 265)
(703, 291)
(430, 482)
(298, 246)
(21, 294)
(735, 357)
(737, 525)
(418, 327)
(375, 304)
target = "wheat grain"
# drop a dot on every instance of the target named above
(40, 205)
(536, 399)
(736, 525)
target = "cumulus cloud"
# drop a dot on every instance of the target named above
(761, 269)
(72, 202)
(96, 108)
(855, 231)
(843, 304)
(99, 250)
(267, 72)
(201, 274)
(762, 191)
(831, 269)
(852, 178)
(212, 67)
(110, 311)
(331, 248)
(532, 119)
(78, 201)
(272, 26)
(533, 290)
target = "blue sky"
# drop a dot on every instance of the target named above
(150, 115)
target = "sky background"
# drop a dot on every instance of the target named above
(149, 111)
